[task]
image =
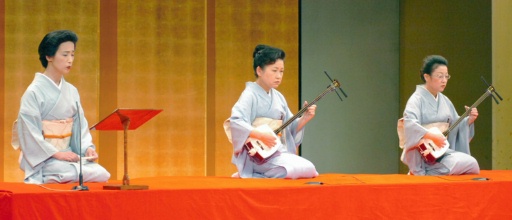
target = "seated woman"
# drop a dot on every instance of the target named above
(261, 101)
(426, 106)
(51, 125)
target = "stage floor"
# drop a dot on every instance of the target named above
(329, 196)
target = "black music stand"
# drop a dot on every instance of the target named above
(125, 119)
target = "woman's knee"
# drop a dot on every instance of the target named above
(277, 172)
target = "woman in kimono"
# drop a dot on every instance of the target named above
(261, 100)
(51, 125)
(429, 105)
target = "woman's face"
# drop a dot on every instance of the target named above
(436, 82)
(62, 61)
(271, 75)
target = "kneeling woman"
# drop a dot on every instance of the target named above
(261, 100)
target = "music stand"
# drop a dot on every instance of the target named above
(125, 119)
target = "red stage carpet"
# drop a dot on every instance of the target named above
(341, 196)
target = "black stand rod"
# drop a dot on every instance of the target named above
(80, 187)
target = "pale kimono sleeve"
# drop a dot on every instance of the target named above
(298, 136)
(460, 137)
(35, 149)
(242, 115)
(413, 131)
(293, 135)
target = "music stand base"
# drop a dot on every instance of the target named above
(125, 187)
(81, 188)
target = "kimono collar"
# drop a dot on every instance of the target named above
(424, 91)
(52, 82)
(260, 91)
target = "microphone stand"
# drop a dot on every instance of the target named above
(80, 187)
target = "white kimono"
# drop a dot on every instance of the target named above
(421, 109)
(253, 103)
(43, 100)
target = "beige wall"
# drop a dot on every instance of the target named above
(502, 78)
(190, 58)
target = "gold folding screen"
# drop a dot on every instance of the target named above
(190, 58)
(161, 64)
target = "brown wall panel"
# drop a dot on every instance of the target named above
(107, 99)
(240, 26)
(210, 89)
(2, 90)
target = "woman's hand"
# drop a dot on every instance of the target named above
(268, 138)
(472, 115)
(66, 156)
(310, 113)
(91, 153)
(437, 137)
(307, 116)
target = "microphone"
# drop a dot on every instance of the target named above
(80, 187)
